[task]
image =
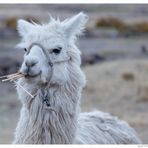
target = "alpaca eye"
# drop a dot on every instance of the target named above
(25, 49)
(56, 50)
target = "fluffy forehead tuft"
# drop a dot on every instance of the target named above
(53, 31)
(71, 27)
(54, 26)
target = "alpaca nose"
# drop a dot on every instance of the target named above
(30, 63)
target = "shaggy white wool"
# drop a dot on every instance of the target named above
(61, 122)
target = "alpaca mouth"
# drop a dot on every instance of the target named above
(28, 75)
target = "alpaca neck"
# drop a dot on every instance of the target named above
(54, 124)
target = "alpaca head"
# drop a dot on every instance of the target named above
(50, 43)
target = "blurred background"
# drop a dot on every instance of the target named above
(114, 59)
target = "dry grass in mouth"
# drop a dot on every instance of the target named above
(13, 78)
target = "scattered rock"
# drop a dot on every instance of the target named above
(92, 59)
(144, 49)
(128, 76)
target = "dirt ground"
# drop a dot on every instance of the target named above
(120, 88)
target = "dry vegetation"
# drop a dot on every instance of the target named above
(12, 21)
(123, 27)
(141, 27)
(111, 22)
(107, 22)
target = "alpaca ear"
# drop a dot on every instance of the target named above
(23, 27)
(75, 25)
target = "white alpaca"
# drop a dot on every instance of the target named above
(52, 68)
